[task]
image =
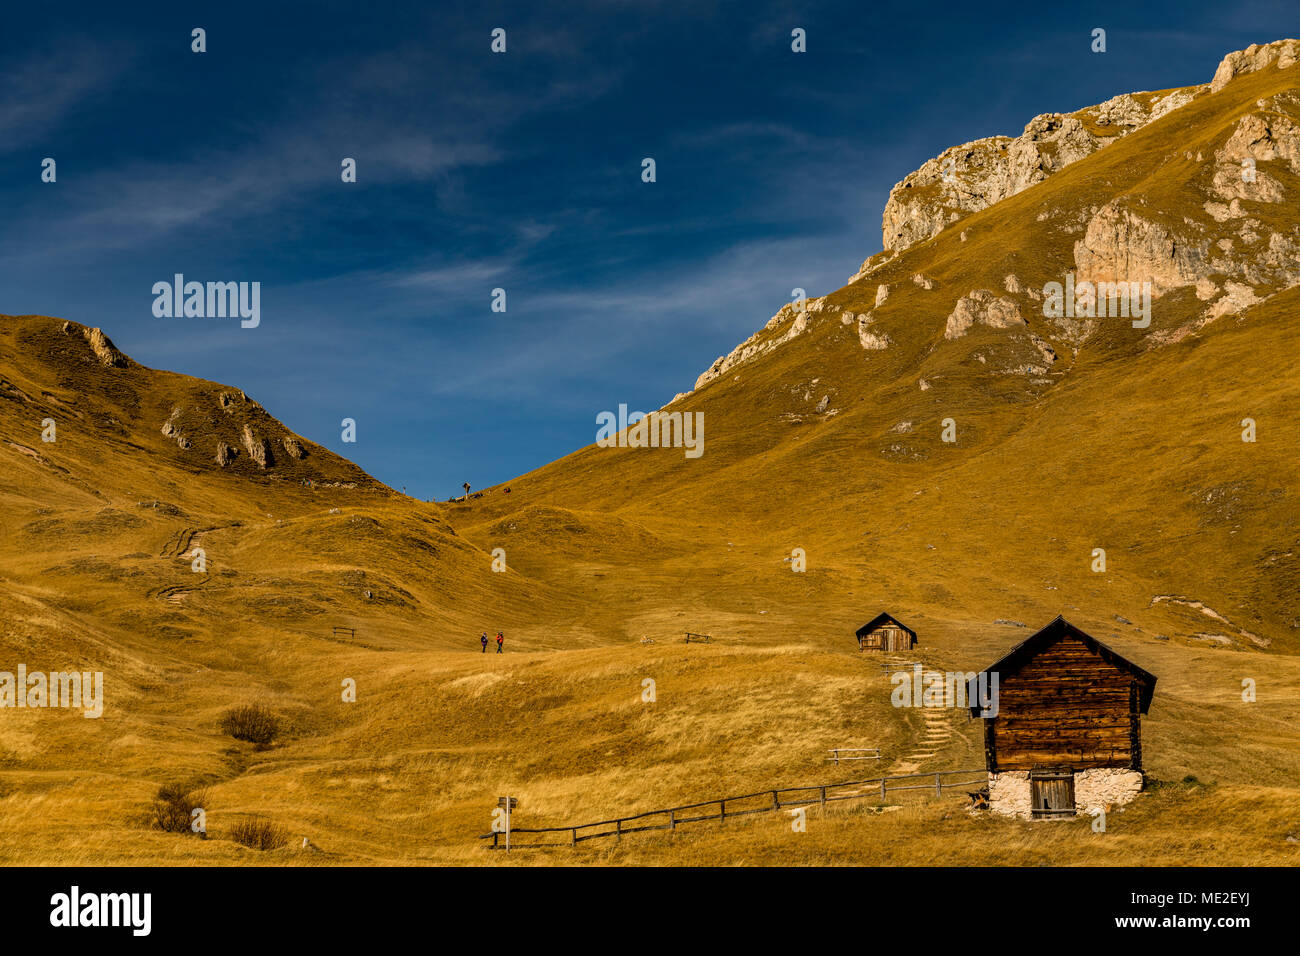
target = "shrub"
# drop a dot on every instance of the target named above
(258, 833)
(173, 808)
(251, 722)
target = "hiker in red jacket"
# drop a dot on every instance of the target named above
(500, 640)
(484, 640)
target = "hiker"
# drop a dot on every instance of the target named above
(500, 640)
(466, 487)
(484, 640)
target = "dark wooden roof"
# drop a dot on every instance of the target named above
(1029, 648)
(880, 619)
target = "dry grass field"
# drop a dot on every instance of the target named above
(1121, 445)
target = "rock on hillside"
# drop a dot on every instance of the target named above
(1281, 53)
(790, 320)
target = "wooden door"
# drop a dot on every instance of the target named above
(1051, 795)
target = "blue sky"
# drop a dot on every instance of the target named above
(519, 170)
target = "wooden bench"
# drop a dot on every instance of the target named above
(873, 753)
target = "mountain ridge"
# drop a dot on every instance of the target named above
(1118, 240)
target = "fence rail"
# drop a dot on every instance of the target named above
(692, 637)
(771, 800)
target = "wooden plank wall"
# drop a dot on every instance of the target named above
(887, 637)
(1067, 707)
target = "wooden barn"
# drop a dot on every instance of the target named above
(884, 632)
(1063, 735)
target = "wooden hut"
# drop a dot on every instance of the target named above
(884, 632)
(1063, 734)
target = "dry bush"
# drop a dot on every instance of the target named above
(173, 807)
(251, 722)
(258, 833)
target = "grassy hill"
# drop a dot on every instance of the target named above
(1068, 438)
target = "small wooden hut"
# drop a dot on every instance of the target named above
(884, 632)
(1063, 733)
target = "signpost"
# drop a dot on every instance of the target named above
(509, 803)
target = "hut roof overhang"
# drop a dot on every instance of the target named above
(880, 619)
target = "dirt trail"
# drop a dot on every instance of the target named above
(182, 545)
(937, 733)
(175, 593)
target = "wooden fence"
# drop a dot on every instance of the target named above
(768, 801)
(692, 637)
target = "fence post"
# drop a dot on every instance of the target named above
(618, 830)
(938, 785)
(574, 842)
(672, 819)
(823, 801)
(495, 839)
(776, 803)
(722, 805)
(882, 789)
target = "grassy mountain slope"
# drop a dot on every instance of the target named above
(1126, 445)
(1069, 437)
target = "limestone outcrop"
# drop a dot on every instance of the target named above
(1281, 54)
(965, 179)
(259, 449)
(764, 340)
(1121, 245)
(982, 306)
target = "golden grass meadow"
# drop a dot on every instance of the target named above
(285, 575)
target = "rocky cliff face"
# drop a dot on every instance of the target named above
(1281, 53)
(1233, 237)
(1122, 246)
(965, 179)
(1243, 243)
(791, 322)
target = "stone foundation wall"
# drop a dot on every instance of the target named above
(1103, 787)
(1099, 787)
(1009, 793)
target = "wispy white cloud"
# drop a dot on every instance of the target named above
(344, 111)
(592, 330)
(454, 277)
(43, 88)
